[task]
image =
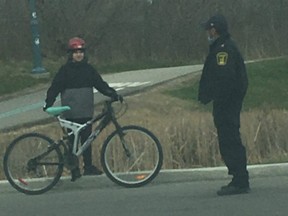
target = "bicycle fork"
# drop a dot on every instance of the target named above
(121, 136)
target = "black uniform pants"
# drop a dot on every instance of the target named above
(227, 122)
(87, 154)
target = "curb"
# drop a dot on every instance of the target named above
(164, 177)
(218, 173)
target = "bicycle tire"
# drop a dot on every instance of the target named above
(24, 172)
(144, 163)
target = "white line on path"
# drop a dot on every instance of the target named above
(118, 86)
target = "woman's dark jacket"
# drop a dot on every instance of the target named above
(75, 82)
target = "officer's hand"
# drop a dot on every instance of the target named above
(204, 100)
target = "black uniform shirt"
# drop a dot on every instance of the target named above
(224, 73)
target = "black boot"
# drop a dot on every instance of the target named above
(238, 185)
(75, 174)
(92, 170)
(232, 190)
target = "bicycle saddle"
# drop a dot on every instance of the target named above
(57, 110)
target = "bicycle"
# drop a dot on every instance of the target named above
(131, 156)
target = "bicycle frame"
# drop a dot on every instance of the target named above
(132, 161)
(106, 117)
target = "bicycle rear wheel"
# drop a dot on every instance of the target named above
(134, 159)
(32, 164)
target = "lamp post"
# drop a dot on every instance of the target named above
(38, 68)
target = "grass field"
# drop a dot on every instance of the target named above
(264, 120)
(267, 85)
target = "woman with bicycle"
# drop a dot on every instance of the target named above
(75, 81)
(131, 155)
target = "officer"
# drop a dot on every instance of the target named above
(224, 82)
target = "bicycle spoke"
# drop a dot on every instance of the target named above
(134, 159)
(31, 165)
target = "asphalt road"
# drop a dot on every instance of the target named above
(27, 109)
(172, 193)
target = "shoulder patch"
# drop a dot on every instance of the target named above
(222, 58)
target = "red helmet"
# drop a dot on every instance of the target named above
(76, 43)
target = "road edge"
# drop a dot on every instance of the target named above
(164, 177)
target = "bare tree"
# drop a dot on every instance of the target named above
(119, 31)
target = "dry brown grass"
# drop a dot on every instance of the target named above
(188, 137)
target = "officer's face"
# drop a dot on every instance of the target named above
(211, 33)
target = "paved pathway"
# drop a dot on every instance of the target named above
(28, 108)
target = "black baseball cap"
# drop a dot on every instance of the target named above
(218, 22)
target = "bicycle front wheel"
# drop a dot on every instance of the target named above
(133, 157)
(32, 164)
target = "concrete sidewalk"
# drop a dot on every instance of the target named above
(164, 177)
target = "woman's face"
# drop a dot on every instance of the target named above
(78, 55)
